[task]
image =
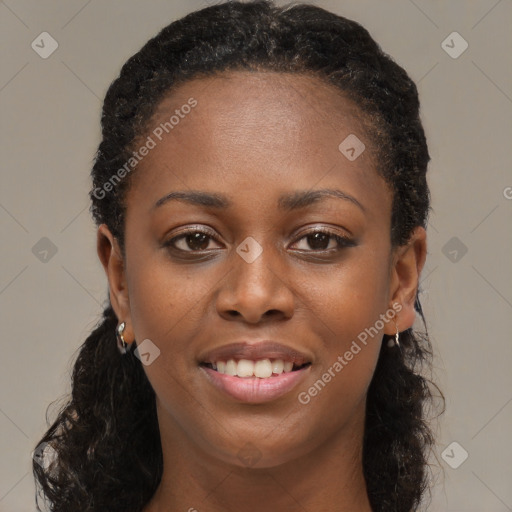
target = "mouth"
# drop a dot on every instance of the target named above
(261, 369)
(257, 372)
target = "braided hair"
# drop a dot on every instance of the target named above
(106, 437)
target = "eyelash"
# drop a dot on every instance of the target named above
(341, 240)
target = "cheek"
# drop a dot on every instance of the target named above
(169, 305)
(347, 310)
(164, 299)
(350, 298)
(165, 306)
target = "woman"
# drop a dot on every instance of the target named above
(261, 200)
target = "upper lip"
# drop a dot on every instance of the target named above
(265, 349)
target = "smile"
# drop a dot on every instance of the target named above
(251, 388)
(262, 369)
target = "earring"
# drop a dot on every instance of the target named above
(121, 343)
(395, 342)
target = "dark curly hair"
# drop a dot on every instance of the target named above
(106, 439)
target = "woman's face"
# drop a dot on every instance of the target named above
(263, 144)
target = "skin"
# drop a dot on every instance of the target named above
(253, 137)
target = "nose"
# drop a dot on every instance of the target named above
(255, 291)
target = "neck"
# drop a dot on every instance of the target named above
(327, 480)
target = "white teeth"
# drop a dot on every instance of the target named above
(245, 368)
(277, 366)
(263, 368)
(231, 367)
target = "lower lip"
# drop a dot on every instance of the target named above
(253, 389)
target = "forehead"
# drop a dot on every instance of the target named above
(257, 131)
(279, 110)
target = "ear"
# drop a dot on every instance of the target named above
(111, 258)
(407, 264)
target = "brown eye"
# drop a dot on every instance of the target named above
(323, 240)
(194, 240)
(197, 240)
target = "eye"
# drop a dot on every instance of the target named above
(320, 240)
(195, 239)
(198, 239)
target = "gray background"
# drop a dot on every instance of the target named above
(50, 110)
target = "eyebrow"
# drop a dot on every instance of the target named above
(287, 202)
